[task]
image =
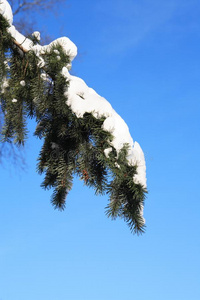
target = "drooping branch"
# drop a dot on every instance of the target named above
(83, 135)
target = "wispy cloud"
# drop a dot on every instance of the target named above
(128, 22)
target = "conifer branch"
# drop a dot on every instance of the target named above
(82, 134)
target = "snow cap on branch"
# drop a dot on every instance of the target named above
(6, 11)
(36, 34)
(83, 99)
(68, 46)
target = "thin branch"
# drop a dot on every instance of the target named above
(24, 5)
(20, 46)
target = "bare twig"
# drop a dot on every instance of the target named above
(20, 46)
(28, 5)
(24, 12)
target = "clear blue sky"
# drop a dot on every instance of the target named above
(144, 57)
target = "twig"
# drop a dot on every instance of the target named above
(20, 46)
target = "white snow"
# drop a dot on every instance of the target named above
(46, 77)
(56, 51)
(22, 83)
(83, 99)
(107, 151)
(36, 34)
(67, 45)
(20, 38)
(6, 63)
(6, 11)
(14, 100)
(4, 85)
(65, 72)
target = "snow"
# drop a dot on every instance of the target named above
(138, 159)
(6, 63)
(107, 151)
(6, 11)
(46, 77)
(4, 85)
(67, 45)
(65, 72)
(82, 98)
(56, 51)
(22, 83)
(36, 34)
(20, 38)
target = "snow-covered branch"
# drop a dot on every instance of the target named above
(71, 116)
(89, 101)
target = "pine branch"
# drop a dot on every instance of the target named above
(37, 84)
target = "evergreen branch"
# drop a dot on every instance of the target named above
(74, 143)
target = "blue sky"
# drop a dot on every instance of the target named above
(142, 56)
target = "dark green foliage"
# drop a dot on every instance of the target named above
(72, 146)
